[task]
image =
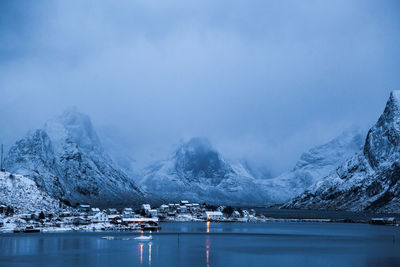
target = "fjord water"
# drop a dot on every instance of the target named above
(212, 244)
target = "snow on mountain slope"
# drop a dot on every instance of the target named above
(197, 172)
(370, 179)
(24, 196)
(66, 159)
(313, 165)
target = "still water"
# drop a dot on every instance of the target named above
(215, 244)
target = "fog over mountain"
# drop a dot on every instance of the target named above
(264, 81)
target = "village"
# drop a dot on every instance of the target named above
(87, 218)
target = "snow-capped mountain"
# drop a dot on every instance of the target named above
(197, 172)
(67, 160)
(23, 195)
(370, 179)
(314, 165)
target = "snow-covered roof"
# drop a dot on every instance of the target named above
(146, 206)
(140, 219)
(213, 213)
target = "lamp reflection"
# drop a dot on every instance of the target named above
(149, 254)
(208, 246)
(141, 253)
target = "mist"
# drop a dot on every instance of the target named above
(263, 80)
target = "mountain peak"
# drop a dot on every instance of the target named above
(198, 157)
(75, 126)
(197, 145)
(392, 109)
(382, 143)
(370, 179)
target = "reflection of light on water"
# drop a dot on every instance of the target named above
(141, 248)
(149, 254)
(208, 257)
(208, 246)
(141, 253)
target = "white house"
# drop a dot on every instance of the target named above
(94, 211)
(128, 210)
(182, 209)
(127, 214)
(164, 208)
(184, 202)
(214, 215)
(146, 207)
(195, 206)
(153, 213)
(100, 217)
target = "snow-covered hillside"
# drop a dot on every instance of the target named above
(313, 165)
(197, 172)
(24, 196)
(67, 160)
(370, 179)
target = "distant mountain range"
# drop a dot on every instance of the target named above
(313, 165)
(67, 162)
(370, 180)
(197, 172)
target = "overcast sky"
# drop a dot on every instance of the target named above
(264, 80)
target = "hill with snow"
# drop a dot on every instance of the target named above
(370, 179)
(197, 172)
(66, 159)
(23, 195)
(313, 166)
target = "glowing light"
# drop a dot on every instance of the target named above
(208, 226)
(149, 254)
(141, 253)
(207, 249)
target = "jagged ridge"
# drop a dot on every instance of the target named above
(370, 179)
(66, 159)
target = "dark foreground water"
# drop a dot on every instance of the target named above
(226, 244)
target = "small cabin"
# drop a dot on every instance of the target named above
(100, 217)
(214, 215)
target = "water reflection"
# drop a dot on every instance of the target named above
(149, 254)
(207, 243)
(141, 253)
(142, 248)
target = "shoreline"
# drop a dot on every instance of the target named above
(110, 228)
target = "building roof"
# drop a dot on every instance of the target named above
(140, 219)
(213, 213)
